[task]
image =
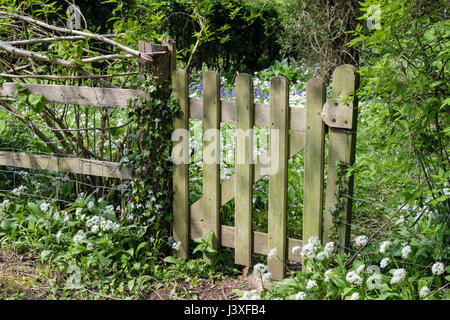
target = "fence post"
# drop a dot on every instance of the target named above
(244, 170)
(180, 223)
(155, 60)
(314, 159)
(211, 156)
(341, 116)
(278, 177)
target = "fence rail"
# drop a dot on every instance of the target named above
(75, 95)
(88, 96)
(65, 164)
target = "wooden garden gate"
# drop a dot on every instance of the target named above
(292, 129)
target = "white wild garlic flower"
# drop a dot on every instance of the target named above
(438, 268)
(301, 295)
(80, 236)
(272, 254)
(354, 296)
(44, 206)
(310, 248)
(176, 245)
(424, 292)
(384, 262)
(354, 278)
(259, 268)
(385, 246)
(398, 276)
(360, 240)
(406, 251)
(311, 284)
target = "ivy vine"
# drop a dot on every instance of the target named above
(147, 154)
(341, 172)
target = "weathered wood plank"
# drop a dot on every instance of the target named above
(63, 164)
(89, 96)
(278, 177)
(244, 169)
(341, 148)
(211, 155)
(262, 113)
(259, 240)
(314, 159)
(180, 226)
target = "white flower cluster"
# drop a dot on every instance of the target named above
(176, 245)
(385, 246)
(78, 211)
(272, 254)
(438, 268)
(360, 241)
(424, 292)
(90, 205)
(311, 284)
(259, 268)
(310, 248)
(80, 236)
(301, 295)
(384, 262)
(354, 278)
(406, 250)
(97, 223)
(44, 206)
(398, 276)
(19, 190)
(5, 203)
(250, 295)
(354, 296)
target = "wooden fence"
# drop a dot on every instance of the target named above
(86, 96)
(296, 129)
(74, 95)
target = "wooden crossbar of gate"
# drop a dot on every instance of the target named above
(292, 129)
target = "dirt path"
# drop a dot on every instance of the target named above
(23, 278)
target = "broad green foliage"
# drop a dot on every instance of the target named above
(405, 76)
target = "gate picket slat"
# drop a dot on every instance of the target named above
(211, 156)
(278, 177)
(314, 159)
(181, 169)
(244, 170)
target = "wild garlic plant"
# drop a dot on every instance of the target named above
(409, 266)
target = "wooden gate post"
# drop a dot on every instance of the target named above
(340, 114)
(155, 60)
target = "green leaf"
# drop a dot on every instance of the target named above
(45, 254)
(171, 259)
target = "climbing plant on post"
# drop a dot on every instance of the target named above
(340, 114)
(149, 144)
